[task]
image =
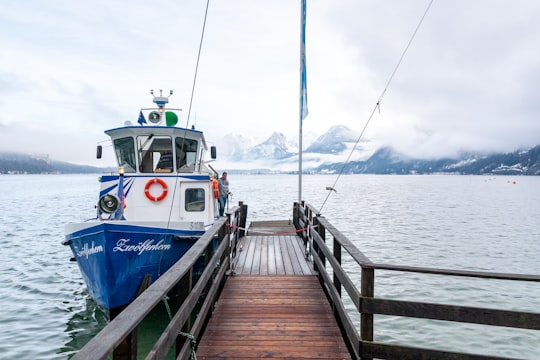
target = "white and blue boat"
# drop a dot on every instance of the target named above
(151, 212)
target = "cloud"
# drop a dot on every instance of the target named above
(468, 81)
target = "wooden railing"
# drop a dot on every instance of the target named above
(179, 283)
(360, 342)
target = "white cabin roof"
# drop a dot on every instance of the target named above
(157, 130)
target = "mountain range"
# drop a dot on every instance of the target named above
(16, 163)
(336, 151)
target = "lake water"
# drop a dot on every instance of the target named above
(457, 222)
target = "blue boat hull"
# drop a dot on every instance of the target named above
(114, 258)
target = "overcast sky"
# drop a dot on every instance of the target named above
(469, 82)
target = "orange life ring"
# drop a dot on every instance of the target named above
(215, 186)
(147, 189)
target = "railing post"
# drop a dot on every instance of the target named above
(127, 350)
(308, 215)
(242, 219)
(367, 289)
(337, 256)
(300, 221)
(225, 229)
(225, 233)
(295, 215)
(322, 233)
(231, 236)
(303, 216)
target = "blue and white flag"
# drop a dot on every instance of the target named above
(303, 80)
(141, 120)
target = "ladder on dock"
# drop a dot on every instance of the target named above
(274, 306)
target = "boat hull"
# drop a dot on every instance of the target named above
(115, 257)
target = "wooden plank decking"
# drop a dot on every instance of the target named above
(271, 255)
(274, 307)
(271, 227)
(278, 317)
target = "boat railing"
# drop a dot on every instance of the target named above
(314, 229)
(192, 298)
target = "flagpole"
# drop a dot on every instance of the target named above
(303, 92)
(300, 163)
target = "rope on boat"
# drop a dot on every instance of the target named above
(377, 105)
(192, 340)
(167, 307)
(193, 344)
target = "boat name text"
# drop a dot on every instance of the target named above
(123, 245)
(87, 251)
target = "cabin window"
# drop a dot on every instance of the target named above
(186, 153)
(194, 199)
(125, 153)
(155, 154)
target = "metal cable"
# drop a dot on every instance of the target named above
(190, 103)
(377, 105)
(197, 64)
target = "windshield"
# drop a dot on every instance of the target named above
(186, 152)
(125, 153)
(155, 153)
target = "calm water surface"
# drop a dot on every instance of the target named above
(457, 222)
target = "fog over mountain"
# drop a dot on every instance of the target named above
(333, 141)
(337, 150)
(338, 147)
(280, 154)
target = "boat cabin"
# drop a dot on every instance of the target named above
(157, 149)
(156, 160)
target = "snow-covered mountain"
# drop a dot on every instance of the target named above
(388, 161)
(233, 146)
(329, 152)
(277, 153)
(275, 147)
(334, 141)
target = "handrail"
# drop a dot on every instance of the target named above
(225, 232)
(360, 341)
(453, 272)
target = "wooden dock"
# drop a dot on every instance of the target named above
(258, 297)
(271, 248)
(274, 307)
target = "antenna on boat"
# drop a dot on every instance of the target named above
(161, 100)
